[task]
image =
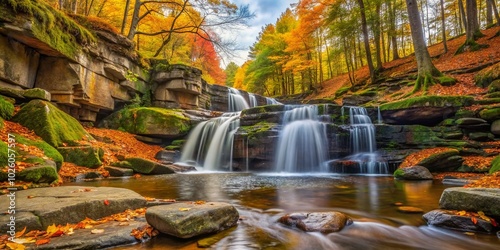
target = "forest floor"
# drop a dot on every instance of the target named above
(448, 63)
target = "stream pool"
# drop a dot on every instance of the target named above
(262, 198)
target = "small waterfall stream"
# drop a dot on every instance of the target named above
(236, 102)
(253, 100)
(302, 144)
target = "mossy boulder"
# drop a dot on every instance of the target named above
(490, 114)
(413, 173)
(447, 160)
(3, 154)
(6, 108)
(144, 166)
(39, 174)
(154, 122)
(486, 76)
(494, 86)
(423, 110)
(53, 125)
(85, 156)
(47, 149)
(37, 93)
(495, 165)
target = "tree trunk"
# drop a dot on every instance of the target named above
(125, 15)
(366, 41)
(135, 20)
(462, 13)
(376, 36)
(426, 69)
(443, 26)
(473, 31)
(495, 11)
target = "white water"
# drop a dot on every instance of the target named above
(302, 146)
(236, 102)
(253, 100)
(271, 101)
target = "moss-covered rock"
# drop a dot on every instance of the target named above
(495, 165)
(447, 160)
(429, 101)
(3, 154)
(490, 114)
(144, 166)
(53, 125)
(39, 174)
(47, 149)
(159, 122)
(6, 108)
(484, 77)
(175, 145)
(494, 86)
(85, 156)
(37, 93)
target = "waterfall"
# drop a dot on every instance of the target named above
(253, 100)
(302, 144)
(379, 116)
(236, 102)
(363, 144)
(271, 101)
(210, 143)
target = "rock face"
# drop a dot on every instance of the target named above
(186, 220)
(53, 125)
(70, 204)
(413, 173)
(472, 199)
(326, 222)
(450, 219)
(178, 86)
(153, 122)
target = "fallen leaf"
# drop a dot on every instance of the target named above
(169, 200)
(123, 224)
(493, 222)
(42, 242)
(200, 202)
(19, 234)
(15, 246)
(106, 202)
(97, 231)
(31, 196)
(474, 220)
(184, 209)
(462, 213)
(469, 233)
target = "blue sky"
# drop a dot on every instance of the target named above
(266, 12)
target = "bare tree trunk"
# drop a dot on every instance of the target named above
(376, 36)
(443, 27)
(366, 40)
(426, 69)
(135, 20)
(473, 31)
(125, 15)
(495, 11)
(462, 13)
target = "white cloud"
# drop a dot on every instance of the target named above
(266, 12)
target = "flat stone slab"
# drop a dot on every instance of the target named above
(113, 235)
(186, 220)
(472, 199)
(40, 207)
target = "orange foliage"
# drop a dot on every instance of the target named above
(415, 158)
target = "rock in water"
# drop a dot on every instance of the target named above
(413, 173)
(186, 220)
(472, 199)
(326, 222)
(450, 219)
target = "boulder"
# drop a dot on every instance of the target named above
(480, 136)
(472, 199)
(152, 122)
(484, 77)
(144, 166)
(42, 207)
(49, 152)
(85, 156)
(39, 174)
(413, 173)
(447, 160)
(495, 127)
(490, 114)
(324, 222)
(37, 93)
(6, 108)
(119, 172)
(53, 125)
(167, 156)
(187, 220)
(450, 219)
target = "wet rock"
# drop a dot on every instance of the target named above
(186, 220)
(410, 210)
(324, 222)
(464, 122)
(167, 155)
(144, 166)
(490, 114)
(119, 172)
(495, 127)
(479, 136)
(42, 207)
(450, 219)
(447, 160)
(472, 199)
(413, 173)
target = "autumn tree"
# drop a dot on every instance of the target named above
(200, 17)
(427, 72)
(364, 28)
(230, 71)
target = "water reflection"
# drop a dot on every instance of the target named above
(261, 199)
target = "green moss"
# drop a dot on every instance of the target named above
(51, 26)
(399, 173)
(53, 125)
(438, 157)
(257, 130)
(429, 101)
(495, 165)
(39, 174)
(487, 101)
(490, 114)
(90, 157)
(6, 108)
(3, 154)
(464, 113)
(48, 150)
(446, 80)
(342, 91)
(494, 86)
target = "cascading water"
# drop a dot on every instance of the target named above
(363, 144)
(302, 145)
(253, 100)
(271, 101)
(210, 143)
(236, 102)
